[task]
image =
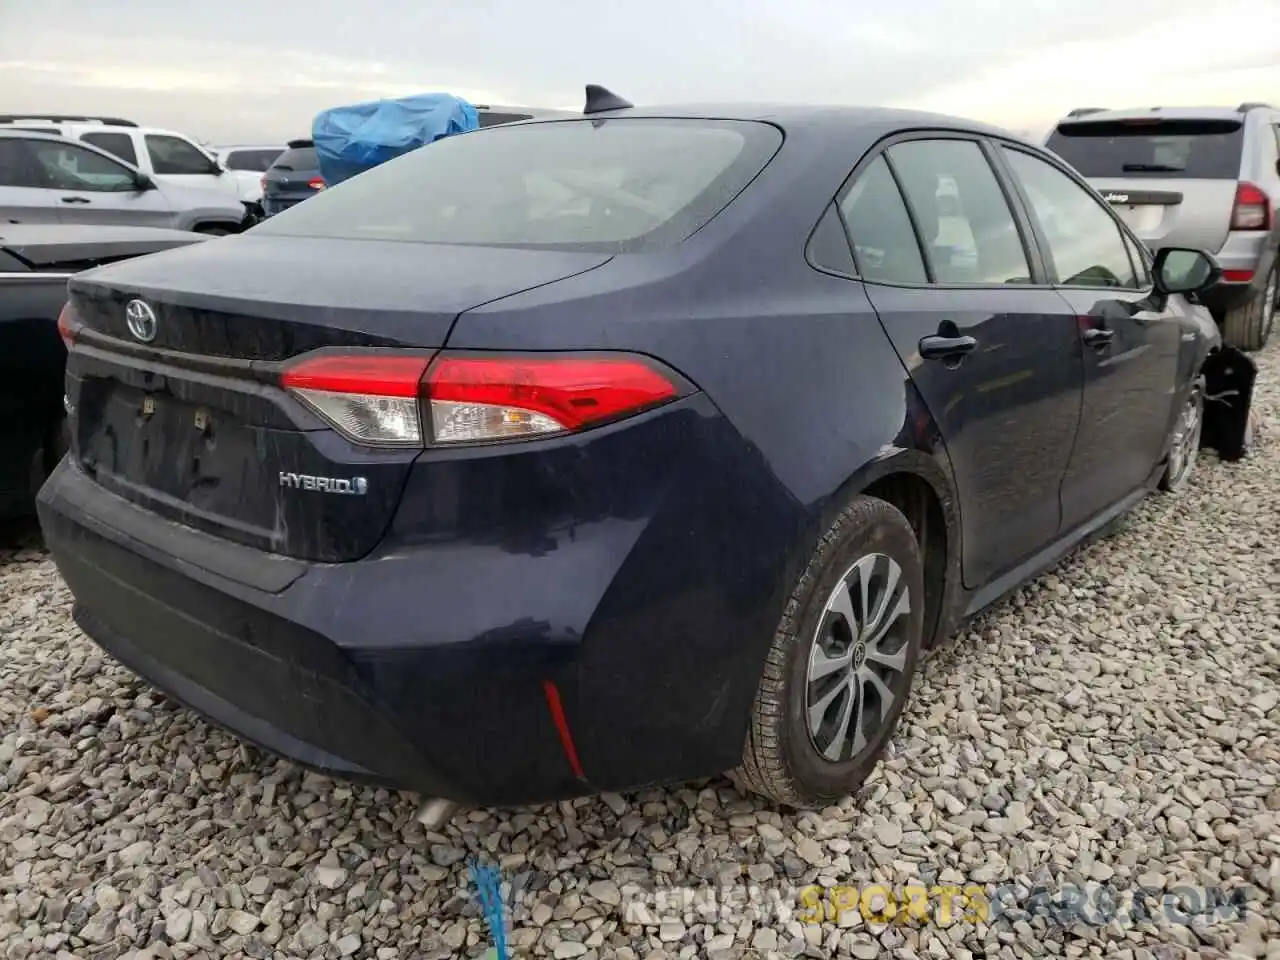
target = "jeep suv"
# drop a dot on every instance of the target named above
(1207, 178)
(47, 179)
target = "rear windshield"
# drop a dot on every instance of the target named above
(256, 161)
(608, 185)
(297, 158)
(1172, 149)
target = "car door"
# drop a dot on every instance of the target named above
(179, 161)
(23, 197)
(950, 271)
(88, 186)
(1131, 340)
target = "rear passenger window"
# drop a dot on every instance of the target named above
(15, 168)
(884, 243)
(1086, 246)
(961, 212)
(829, 246)
(120, 144)
(255, 161)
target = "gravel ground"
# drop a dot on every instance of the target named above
(1114, 724)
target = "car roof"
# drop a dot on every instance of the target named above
(25, 133)
(534, 111)
(47, 244)
(812, 117)
(1148, 113)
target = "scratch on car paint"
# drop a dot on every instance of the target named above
(717, 708)
(1126, 356)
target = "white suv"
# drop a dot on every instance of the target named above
(163, 155)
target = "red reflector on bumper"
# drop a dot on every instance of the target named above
(556, 709)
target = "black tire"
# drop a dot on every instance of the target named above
(1248, 327)
(781, 760)
(1182, 462)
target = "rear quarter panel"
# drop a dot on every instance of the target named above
(817, 404)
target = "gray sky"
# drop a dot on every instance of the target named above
(245, 70)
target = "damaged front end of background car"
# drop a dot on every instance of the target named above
(1229, 377)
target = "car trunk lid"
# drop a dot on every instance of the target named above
(1171, 179)
(1183, 213)
(192, 423)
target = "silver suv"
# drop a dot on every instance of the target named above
(50, 179)
(1207, 178)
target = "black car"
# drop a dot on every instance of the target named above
(292, 177)
(585, 454)
(35, 263)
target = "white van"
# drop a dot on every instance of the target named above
(248, 164)
(164, 155)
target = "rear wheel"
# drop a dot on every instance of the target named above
(840, 668)
(1248, 327)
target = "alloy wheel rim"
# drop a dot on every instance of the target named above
(1269, 305)
(1185, 446)
(858, 658)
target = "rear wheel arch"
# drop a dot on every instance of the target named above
(919, 501)
(918, 486)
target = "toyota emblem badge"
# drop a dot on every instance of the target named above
(141, 320)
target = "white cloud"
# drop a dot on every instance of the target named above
(1153, 65)
(208, 69)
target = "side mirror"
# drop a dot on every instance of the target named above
(143, 181)
(1182, 270)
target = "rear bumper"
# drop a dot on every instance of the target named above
(273, 205)
(426, 666)
(259, 663)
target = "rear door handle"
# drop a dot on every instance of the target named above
(76, 200)
(1098, 336)
(946, 348)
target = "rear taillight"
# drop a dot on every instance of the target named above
(1252, 209)
(475, 398)
(316, 183)
(402, 400)
(370, 399)
(263, 183)
(68, 324)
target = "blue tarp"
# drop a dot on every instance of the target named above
(350, 140)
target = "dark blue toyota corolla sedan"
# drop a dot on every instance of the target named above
(579, 455)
